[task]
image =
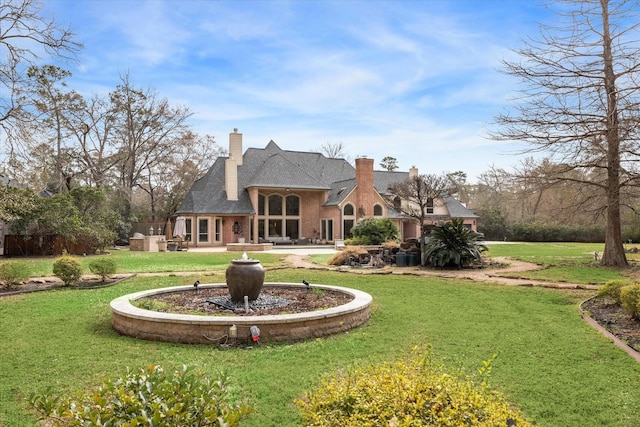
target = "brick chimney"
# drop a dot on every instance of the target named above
(231, 165)
(413, 172)
(365, 193)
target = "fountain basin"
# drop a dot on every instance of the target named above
(194, 329)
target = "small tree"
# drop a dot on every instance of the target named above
(453, 245)
(103, 267)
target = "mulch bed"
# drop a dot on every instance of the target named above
(615, 320)
(301, 300)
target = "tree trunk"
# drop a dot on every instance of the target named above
(613, 248)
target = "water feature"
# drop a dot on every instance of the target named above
(243, 276)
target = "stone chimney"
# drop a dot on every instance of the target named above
(413, 172)
(365, 193)
(231, 165)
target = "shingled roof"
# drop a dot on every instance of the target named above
(269, 167)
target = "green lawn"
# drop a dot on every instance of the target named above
(551, 364)
(563, 262)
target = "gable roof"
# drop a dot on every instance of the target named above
(270, 167)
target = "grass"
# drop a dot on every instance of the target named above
(151, 262)
(563, 262)
(550, 363)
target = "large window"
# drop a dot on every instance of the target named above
(203, 230)
(278, 216)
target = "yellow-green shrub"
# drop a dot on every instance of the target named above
(12, 273)
(612, 289)
(630, 300)
(68, 269)
(413, 392)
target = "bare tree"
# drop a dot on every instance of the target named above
(417, 196)
(25, 37)
(334, 150)
(579, 102)
(146, 128)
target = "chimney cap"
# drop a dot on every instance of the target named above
(235, 130)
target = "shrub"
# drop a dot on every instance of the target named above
(68, 269)
(376, 230)
(630, 299)
(612, 289)
(413, 392)
(452, 244)
(149, 397)
(103, 267)
(12, 273)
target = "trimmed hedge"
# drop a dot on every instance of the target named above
(539, 232)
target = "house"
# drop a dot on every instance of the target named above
(283, 196)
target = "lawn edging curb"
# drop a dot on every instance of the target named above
(616, 341)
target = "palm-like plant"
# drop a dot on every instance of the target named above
(453, 245)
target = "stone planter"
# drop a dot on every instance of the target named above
(162, 245)
(244, 278)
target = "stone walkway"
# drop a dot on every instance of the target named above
(489, 274)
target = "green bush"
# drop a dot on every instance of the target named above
(612, 289)
(68, 269)
(544, 232)
(630, 300)
(453, 245)
(103, 266)
(149, 397)
(413, 392)
(376, 230)
(358, 241)
(12, 273)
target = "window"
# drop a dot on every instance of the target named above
(326, 229)
(203, 230)
(430, 205)
(348, 210)
(279, 217)
(218, 231)
(187, 224)
(275, 205)
(377, 210)
(349, 220)
(293, 205)
(397, 204)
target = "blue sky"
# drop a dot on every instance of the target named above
(415, 80)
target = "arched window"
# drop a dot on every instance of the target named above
(397, 203)
(348, 210)
(377, 210)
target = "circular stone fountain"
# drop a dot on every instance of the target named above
(136, 322)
